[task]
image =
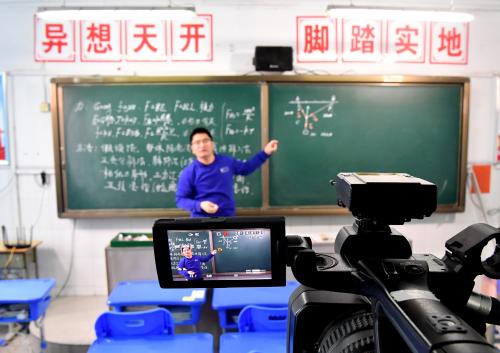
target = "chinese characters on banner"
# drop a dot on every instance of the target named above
(316, 40)
(55, 41)
(100, 41)
(406, 41)
(124, 40)
(449, 43)
(192, 41)
(146, 41)
(363, 42)
(324, 39)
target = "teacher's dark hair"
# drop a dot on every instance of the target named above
(185, 247)
(199, 130)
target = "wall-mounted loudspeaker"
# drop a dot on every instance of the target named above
(273, 58)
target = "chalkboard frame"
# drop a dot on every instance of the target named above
(57, 93)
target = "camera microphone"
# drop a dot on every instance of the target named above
(485, 306)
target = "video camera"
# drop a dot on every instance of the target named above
(372, 294)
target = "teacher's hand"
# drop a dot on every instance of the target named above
(209, 207)
(271, 147)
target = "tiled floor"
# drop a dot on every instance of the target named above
(22, 343)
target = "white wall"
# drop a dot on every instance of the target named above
(238, 28)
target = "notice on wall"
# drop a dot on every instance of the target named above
(497, 136)
(3, 123)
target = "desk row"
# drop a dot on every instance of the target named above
(185, 304)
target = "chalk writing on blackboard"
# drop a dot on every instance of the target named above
(307, 114)
(141, 148)
(230, 240)
(124, 144)
(242, 250)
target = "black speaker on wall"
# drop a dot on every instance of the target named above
(273, 58)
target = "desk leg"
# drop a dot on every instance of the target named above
(39, 324)
(35, 258)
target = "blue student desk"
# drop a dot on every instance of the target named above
(25, 300)
(184, 304)
(229, 301)
(181, 343)
(244, 342)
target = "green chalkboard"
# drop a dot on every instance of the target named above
(242, 250)
(124, 144)
(327, 128)
(120, 143)
(199, 242)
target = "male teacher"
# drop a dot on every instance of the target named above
(205, 186)
(190, 265)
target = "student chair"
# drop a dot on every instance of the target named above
(255, 318)
(149, 331)
(261, 329)
(132, 324)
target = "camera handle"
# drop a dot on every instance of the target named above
(464, 251)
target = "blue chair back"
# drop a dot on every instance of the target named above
(133, 324)
(262, 318)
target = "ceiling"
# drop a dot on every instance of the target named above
(472, 5)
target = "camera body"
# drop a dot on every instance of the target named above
(372, 294)
(378, 296)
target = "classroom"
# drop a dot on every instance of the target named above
(96, 112)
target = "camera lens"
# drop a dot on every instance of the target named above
(353, 334)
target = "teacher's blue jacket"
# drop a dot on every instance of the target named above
(214, 182)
